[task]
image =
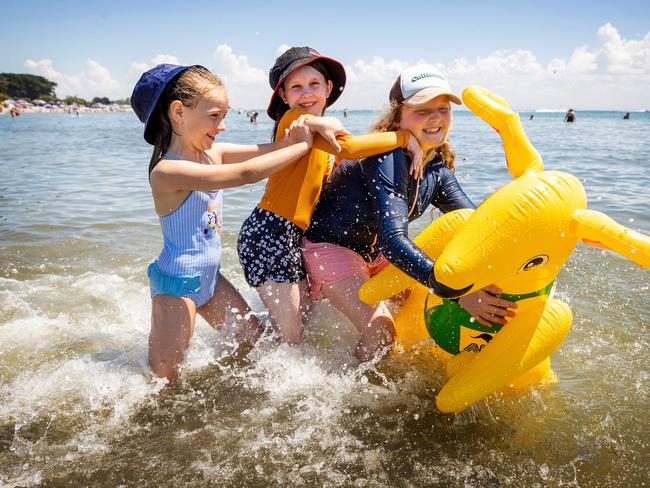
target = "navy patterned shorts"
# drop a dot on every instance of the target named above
(269, 249)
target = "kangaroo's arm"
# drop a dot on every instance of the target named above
(597, 229)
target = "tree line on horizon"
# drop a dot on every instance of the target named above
(34, 87)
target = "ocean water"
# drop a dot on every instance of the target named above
(78, 408)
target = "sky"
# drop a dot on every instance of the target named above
(538, 55)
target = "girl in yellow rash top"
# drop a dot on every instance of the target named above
(304, 83)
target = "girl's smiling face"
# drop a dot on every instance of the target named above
(204, 122)
(306, 89)
(429, 122)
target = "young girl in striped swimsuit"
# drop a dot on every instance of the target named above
(183, 109)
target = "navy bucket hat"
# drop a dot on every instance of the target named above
(293, 59)
(147, 91)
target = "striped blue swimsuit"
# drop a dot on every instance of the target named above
(188, 265)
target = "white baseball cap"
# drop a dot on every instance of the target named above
(419, 84)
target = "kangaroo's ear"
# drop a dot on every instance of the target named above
(597, 229)
(521, 156)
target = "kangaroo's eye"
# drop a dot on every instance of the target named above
(540, 260)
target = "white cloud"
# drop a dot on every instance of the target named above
(612, 74)
(165, 59)
(497, 65)
(281, 49)
(375, 71)
(236, 67)
(136, 69)
(94, 81)
(368, 82)
(247, 85)
(623, 56)
(582, 61)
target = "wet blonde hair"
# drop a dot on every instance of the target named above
(187, 87)
(389, 121)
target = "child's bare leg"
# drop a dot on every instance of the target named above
(287, 303)
(226, 298)
(172, 325)
(372, 321)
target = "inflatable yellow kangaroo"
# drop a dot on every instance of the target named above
(518, 239)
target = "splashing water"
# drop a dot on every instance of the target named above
(78, 406)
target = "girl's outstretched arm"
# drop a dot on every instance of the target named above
(176, 175)
(229, 153)
(330, 136)
(329, 129)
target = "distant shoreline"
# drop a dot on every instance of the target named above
(71, 110)
(127, 108)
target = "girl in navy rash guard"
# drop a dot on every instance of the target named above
(361, 220)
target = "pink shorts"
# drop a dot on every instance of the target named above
(327, 264)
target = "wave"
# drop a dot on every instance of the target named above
(550, 110)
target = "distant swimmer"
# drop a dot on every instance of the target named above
(626, 116)
(345, 112)
(570, 116)
(254, 117)
(531, 116)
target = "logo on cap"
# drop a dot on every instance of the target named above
(426, 75)
(314, 52)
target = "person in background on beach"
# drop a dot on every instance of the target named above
(345, 112)
(13, 110)
(304, 83)
(570, 116)
(531, 116)
(254, 117)
(361, 221)
(626, 116)
(183, 110)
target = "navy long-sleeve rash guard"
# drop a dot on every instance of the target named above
(364, 206)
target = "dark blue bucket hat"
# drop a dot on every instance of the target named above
(147, 92)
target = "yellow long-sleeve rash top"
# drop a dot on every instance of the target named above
(293, 191)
